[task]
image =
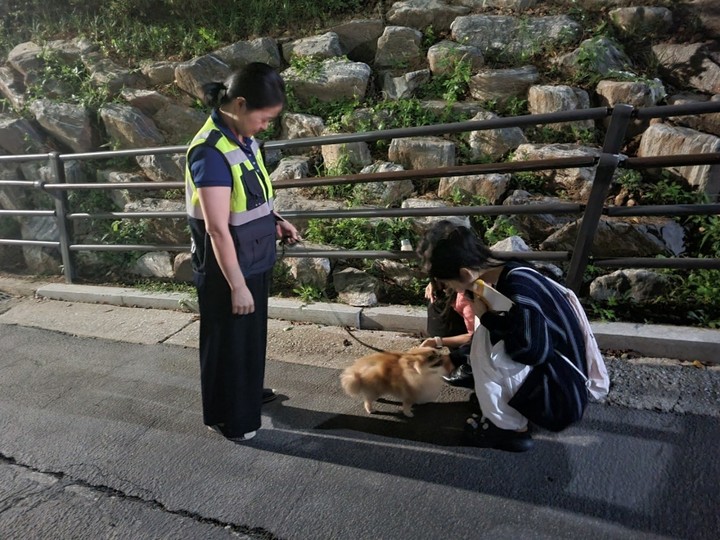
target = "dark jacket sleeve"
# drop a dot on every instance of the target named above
(524, 328)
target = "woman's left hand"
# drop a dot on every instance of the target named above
(287, 232)
(479, 306)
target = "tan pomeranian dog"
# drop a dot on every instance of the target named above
(414, 376)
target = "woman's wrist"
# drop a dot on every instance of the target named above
(438, 342)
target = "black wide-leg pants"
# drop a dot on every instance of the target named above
(232, 355)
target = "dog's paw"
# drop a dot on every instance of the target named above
(408, 412)
(369, 408)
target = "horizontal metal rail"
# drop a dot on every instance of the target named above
(36, 243)
(128, 247)
(127, 215)
(646, 262)
(27, 213)
(612, 160)
(108, 185)
(596, 113)
(685, 109)
(664, 210)
(17, 183)
(494, 210)
(440, 172)
(711, 158)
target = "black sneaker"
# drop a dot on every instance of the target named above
(474, 403)
(268, 395)
(481, 432)
(461, 377)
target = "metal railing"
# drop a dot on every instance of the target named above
(607, 163)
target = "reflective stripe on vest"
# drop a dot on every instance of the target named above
(239, 164)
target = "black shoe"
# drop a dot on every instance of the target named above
(268, 395)
(474, 404)
(461, 376)
(481, 432)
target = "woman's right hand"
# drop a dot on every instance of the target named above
(242, 301)
(429, 292)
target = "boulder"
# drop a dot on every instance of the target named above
(334, 80)
(399, 46)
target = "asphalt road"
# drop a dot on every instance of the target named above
(104, 439)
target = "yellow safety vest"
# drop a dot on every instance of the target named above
(240, 165)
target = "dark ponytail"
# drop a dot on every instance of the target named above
(214, 94)
(259, 83)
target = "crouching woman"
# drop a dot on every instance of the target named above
(533, 360)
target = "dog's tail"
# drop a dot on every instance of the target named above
(351, 381)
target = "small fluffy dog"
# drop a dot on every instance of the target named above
(414, 376)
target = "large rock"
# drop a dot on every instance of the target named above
(403, 86)
(159, 73)
(708, 123)
(19, 136)
(624, 237)
(689, 64)
(422, 152)
(514, 35)
(12, 87)
(549, 99)
(444, 57)
(27, 59)
(108, 74)
(536, 227)
(502, 84)
(242, 53)
(191, 75)
(70, 124)
(577, 181)
(41, 260)
(326, 45)
(422, 224)
(636, 93)
(71, 51)
(162, 167)
(386, 193)
(489, 187)
(652, 20)
(333, 80)
(493, 143)
(399, 46)
(179, 123)
(637, 285)
(309, 271)
(130, 128)
(358, 38)
(356, 288)
(664, 139)
(421, 14)
(595, 56)
(161, 231)
(338, 157)
(157, 264)
(301, 126)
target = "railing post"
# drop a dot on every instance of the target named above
(61, 211)
(609, 159)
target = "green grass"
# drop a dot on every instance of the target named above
(167, 29)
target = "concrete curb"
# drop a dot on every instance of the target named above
(662, 341)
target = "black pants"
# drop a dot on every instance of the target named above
(232, 354)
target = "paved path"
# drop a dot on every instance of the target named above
(101, 438)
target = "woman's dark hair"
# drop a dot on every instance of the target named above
(447, 247)
(258, 83)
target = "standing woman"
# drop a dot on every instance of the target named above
(233, 226)
(534, 359)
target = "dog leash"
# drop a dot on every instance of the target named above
(283, 254)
